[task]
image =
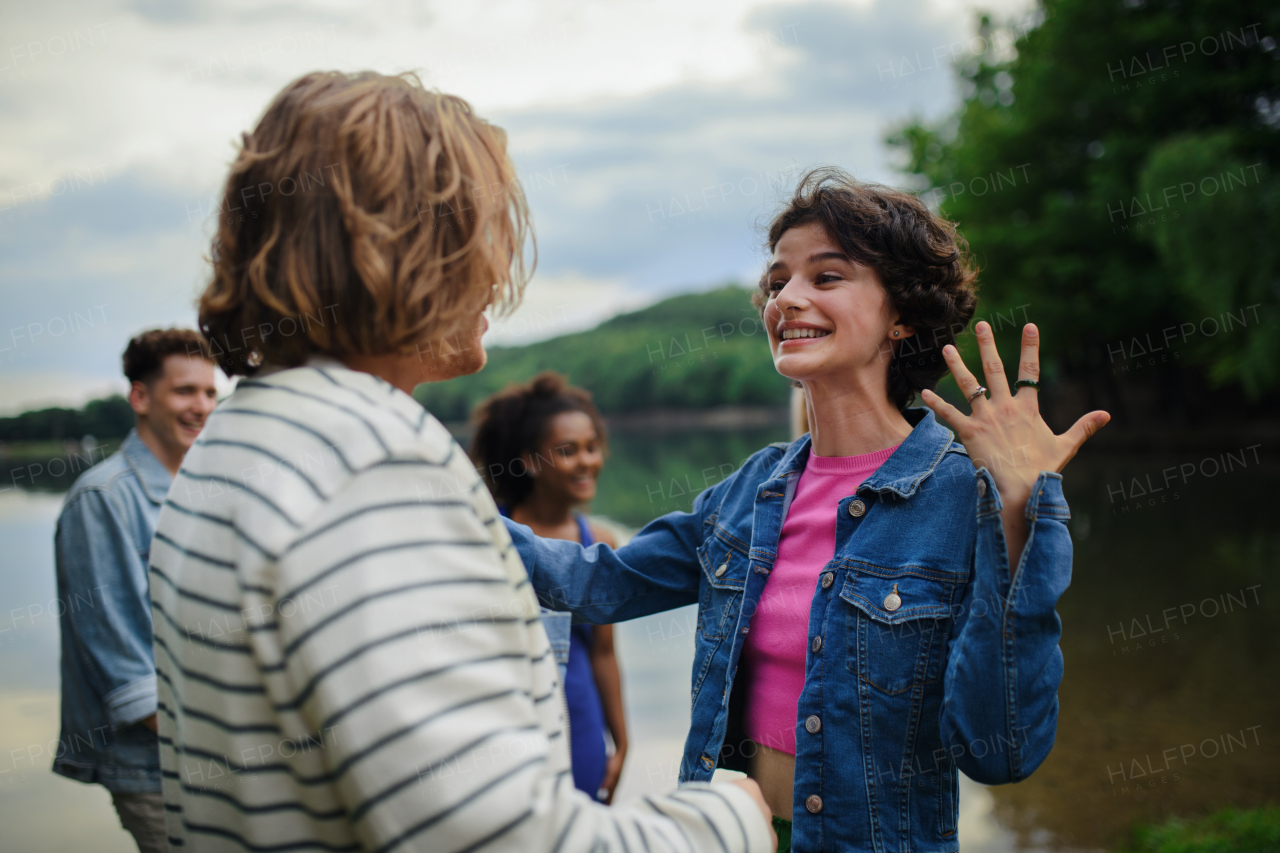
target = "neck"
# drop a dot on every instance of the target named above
(403, 372)
(850, 419)
(169, 457)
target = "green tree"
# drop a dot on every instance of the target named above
(108, 418)
(1115, 169)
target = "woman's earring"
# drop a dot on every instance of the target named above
(895, 334)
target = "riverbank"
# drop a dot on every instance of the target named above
(1227, 831)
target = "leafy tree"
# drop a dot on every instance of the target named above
(1115, 169)
(108, 418)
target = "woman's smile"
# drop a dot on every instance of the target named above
(793, 334)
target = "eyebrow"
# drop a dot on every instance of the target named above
(817, 257)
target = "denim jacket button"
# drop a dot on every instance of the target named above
(982, 488)
(812, 724)
(857, 509)
(827, 580)
(893, 601)
(816, 645)
(813, 803)
(724, 567)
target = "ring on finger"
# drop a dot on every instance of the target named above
(1026, 383)
(977, 392)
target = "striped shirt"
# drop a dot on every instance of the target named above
(348, 649)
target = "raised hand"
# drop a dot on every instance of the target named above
(1006, 433)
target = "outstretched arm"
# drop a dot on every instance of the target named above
(657, 570)
(1000, 714)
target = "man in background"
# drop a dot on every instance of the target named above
(101, 547)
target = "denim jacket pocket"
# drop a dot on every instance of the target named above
(897, 625)
(724, 575)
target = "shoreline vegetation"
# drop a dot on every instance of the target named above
(1228, 831)
(700, 361)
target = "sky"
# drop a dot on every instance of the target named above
(653, 140)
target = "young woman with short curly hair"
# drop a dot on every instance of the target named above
(876, 601)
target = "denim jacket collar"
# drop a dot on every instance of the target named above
(154, 478)
(904, 471)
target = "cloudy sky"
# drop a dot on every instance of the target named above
(653, 137)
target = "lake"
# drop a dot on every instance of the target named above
(1169, 705)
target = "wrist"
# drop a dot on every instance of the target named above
(1015, 487)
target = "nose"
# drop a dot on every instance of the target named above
(791, 297)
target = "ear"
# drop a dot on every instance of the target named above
(899, 332)
(139, 398)
(531, 465)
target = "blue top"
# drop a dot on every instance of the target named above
(586, 713)
(957, 670)
(582, 696)
(101, 547)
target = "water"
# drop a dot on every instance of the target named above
(1170, 703)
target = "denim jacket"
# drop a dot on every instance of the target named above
(926, 654)
(108, 669)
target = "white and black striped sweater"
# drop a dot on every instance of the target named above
(348, 649)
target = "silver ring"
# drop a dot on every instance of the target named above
(976, 394)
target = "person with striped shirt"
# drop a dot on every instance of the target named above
(349, 653)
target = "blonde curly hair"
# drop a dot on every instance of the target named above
(364, 215)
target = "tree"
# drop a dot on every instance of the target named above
(1114, 168)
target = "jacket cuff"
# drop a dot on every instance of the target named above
(1047, 500)
(132, 702)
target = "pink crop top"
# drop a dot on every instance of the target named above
(774, 652)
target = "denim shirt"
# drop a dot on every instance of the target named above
(108, 669)
(926, 655)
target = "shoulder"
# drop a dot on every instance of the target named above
(734, 482)
(602, 534)
(759, 465)
(101, 478)
(331, 421)
(357, 409)
(954, 473)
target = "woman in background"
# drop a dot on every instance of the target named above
(540, 447)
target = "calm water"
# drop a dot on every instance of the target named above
(1170, 704)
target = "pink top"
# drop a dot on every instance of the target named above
(774, 652)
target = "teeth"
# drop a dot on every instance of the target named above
(792, 334)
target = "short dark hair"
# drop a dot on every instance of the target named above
(513, 422)
(923, 263)
(144, 357)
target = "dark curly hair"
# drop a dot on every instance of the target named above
(513, 423)
(922, 261)
(143, 358)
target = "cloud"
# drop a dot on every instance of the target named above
(653, 140)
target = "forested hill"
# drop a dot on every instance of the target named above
(694, 351)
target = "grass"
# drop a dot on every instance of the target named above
(1228, 831)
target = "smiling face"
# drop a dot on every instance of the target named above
(571, 457)
(173, 407)
(826, 314)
